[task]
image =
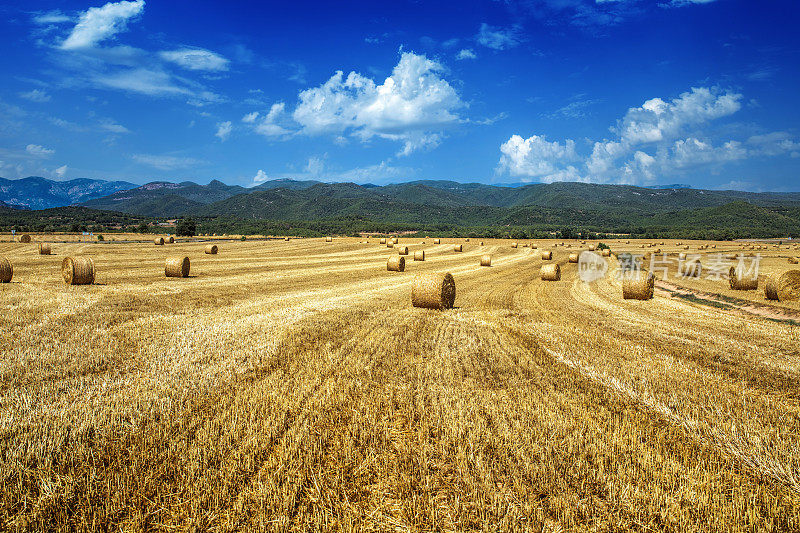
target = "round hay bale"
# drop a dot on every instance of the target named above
(44, 248)
(286, 239)
(685, 247)
(534, 247)
(638, 285)
(682, 256)
(690, 269)
(627, 242)
(396, 263)
(678, 244)
(458, 248)
(158, 241)
(794, 260)
(466, 240)
(573, 257)
(569, 246)
(739, 282)
(402, 250)
(514, 245)
(713, 246)
(592, 247)
(177, 267)
(486, 260)
(783, 287)
(731, 257)
(383, 240)
(547, 255)
(550, 272)
(6, 270)
(433, 291)
(606, 252)
(480, 243)
(212, 249)
(328, 239)
(437, 241)
(25, 238)
(389, 244)
(78, 270)
(170, 240)
(419, 255)
(395, 240)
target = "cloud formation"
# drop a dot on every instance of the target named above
(499, 38)
(39, 151)
(224, 130)
(97, 24)
(656, 139)
(196, 59)
(166, 162)
(411, 106)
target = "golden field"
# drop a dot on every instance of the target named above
(291, 386)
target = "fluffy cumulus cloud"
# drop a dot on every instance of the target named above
(655, 140)
(61, 171)
(224, 130)
(260, 177)
(196, 59)
(536, 157)
(272, 123)
(97, 24)
(466, 53)
(39, 151)
(413, 106)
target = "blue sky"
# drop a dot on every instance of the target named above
(644, 92)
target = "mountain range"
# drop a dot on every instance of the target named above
(40, 193)
(423, 202)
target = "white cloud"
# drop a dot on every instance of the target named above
(142, 80)
(658, 139)
(97, 24)
(166, 162)
(39, 151)
(51, 17)
(196, 59)
(315, 166)
(681, 3)
(113, 127)
(535, 157)
(36, 95)
(224, 130)
(499, 38)
(260, 177)
(60, 171)
(657, 120)
(250, 117)
(411, 106)
(466, 53)
(270, 124)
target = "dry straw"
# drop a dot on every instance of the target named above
(177, 267)
(783, 287)
(437, 241)
(458, 248)
(547, 255)
(44, 248)
(25, 238)
(396, 263)
(638, 285)
(794, 260)
(419, 255)
(212, 249)
(433, 291)
(740, 282)
(158, 241)
(78, 270)
(573, 257)
(6, 270)
(730, 257)
(550, 272)
(486, 260)
(690, 269)
(402, 250)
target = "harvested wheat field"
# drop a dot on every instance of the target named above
(292, 386)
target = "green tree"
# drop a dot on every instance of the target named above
(186, 227)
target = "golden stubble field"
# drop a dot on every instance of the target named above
(291, 386)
